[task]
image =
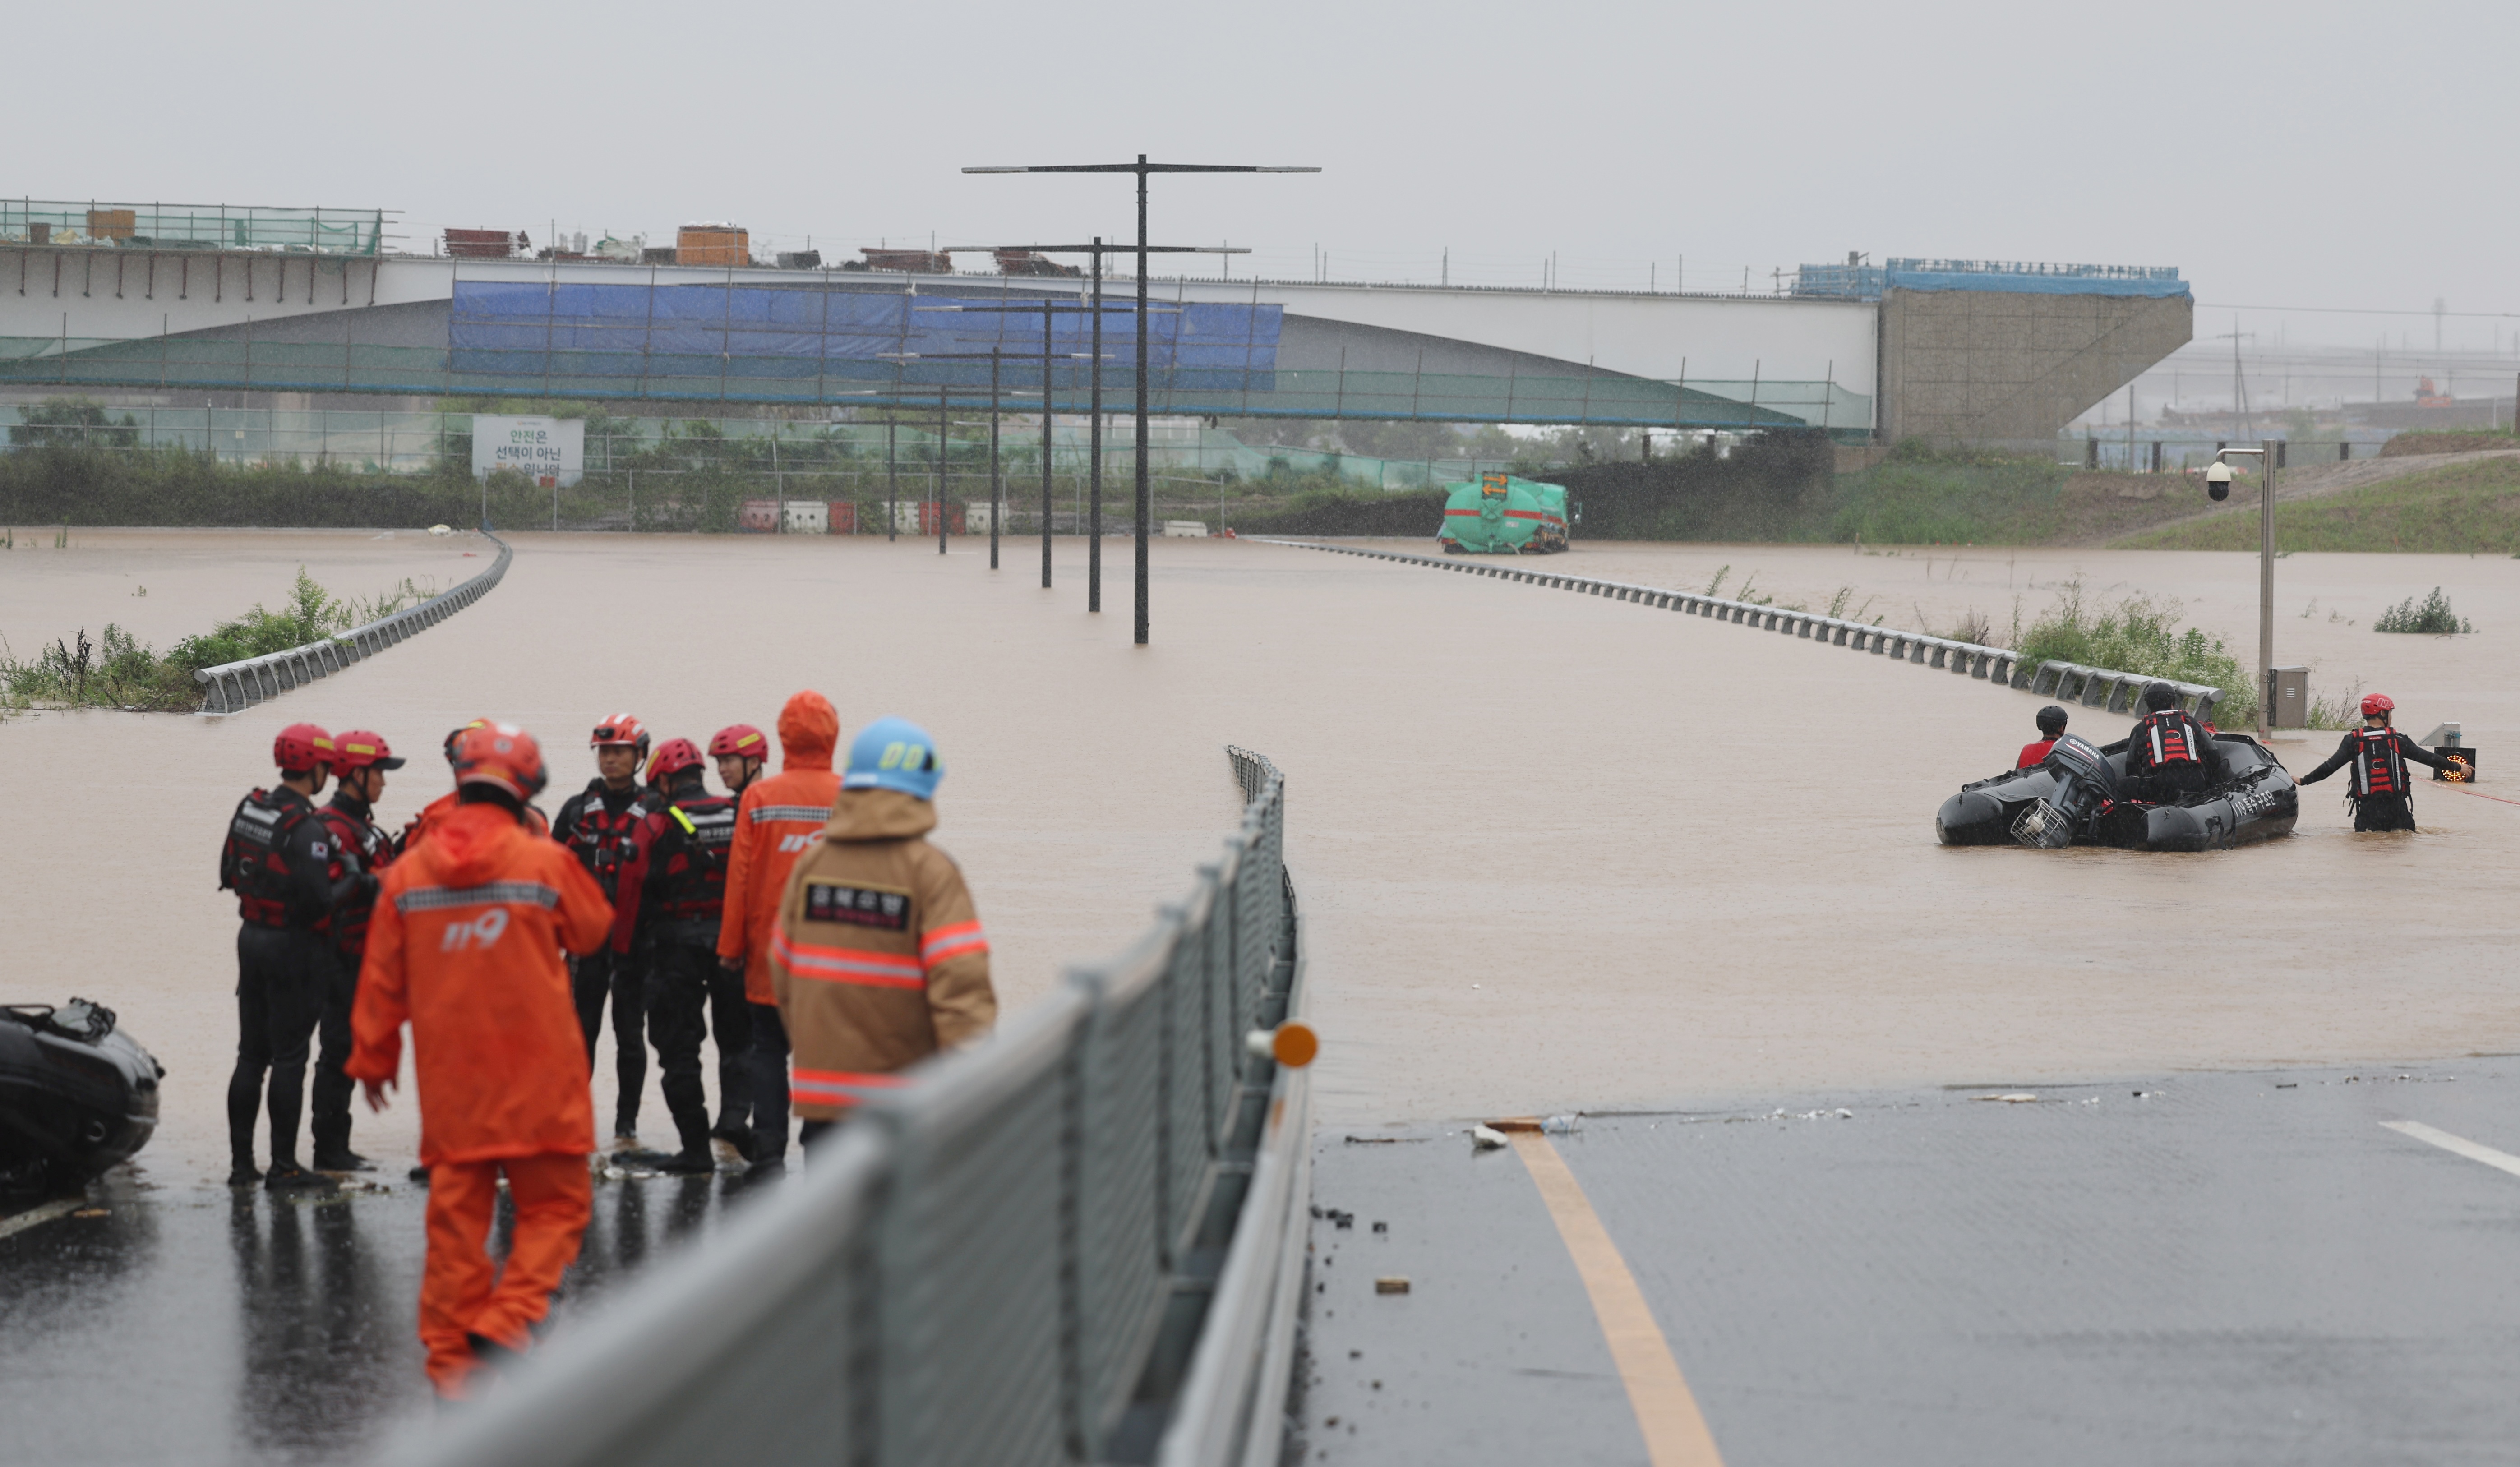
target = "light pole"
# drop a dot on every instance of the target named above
(993, 356)
(1142, 169)
(2218, 484)
(1049, 310)
(1094, 433)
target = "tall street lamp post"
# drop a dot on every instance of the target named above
(1094, 436)
(2218, 483)
(1142, 169)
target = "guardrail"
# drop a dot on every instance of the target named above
(233, 687)
(1077, 1242)
(2092, 687)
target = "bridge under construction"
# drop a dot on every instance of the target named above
(153, 301)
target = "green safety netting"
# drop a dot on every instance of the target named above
(239, 363)
(190, 226)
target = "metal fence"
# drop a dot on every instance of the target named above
(233, 687)
(124, 225)
(2091, 686)
(1068, 1244)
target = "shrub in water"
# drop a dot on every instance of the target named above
(2434, 616)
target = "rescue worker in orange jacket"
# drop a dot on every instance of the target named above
(776, 821)
(465, 945)
(600, 824)
(2383, 797)
(360, 760)
(412, 833)
(278, 858)
(880, 960)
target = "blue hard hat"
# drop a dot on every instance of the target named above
(894, 753)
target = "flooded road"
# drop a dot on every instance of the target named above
(1553, 853)
(1556, 851)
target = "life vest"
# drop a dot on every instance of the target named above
(2378, 768)
(2170, 738)
(603, 841)
(688, 862)
(253, 862)
(355, 838)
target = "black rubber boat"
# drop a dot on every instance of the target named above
(76, 1095)
(2076, 801)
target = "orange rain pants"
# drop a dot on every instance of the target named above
(461, 1291)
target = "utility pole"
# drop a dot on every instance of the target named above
(1142, 169)
(1046, 308)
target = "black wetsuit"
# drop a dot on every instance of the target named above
(278, 861)
(2163, 783)
(2383, 797)
(597, 825)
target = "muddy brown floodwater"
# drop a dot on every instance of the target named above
(1554, 851)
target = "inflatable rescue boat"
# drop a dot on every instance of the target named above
(2077, 797)
(76, 1095)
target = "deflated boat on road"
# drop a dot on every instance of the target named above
(76, 1094)
(2075, 799)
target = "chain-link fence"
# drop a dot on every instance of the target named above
(1014, 1260)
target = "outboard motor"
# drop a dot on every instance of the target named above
(76, 1095)
(2086, 787)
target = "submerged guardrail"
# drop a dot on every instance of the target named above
(2066, 682)
(233, 687)
(1080, 1241)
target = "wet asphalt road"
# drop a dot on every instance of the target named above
(2232, 1268)
(180, 1325)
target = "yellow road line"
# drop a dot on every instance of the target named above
(1675, 1430)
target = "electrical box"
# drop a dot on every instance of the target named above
(2289, 707)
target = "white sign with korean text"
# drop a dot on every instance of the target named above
(550, 451)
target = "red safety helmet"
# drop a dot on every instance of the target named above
(674, 756)
(455, 736)
(620, 729)
(742, 740)
(361, 749)
(2378, 702)
(301, 747)
(503, 756)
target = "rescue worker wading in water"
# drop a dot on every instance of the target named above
(278, 858)
(776, 821)
(2169, 754)
(2382, 798)
(600, 824)
(465, 945)
(880, 960)
(360, 760)
(683, 851)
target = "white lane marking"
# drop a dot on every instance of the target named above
(38, 1215)
(2500, 1161)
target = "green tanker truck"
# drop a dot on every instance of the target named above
(1503, 516)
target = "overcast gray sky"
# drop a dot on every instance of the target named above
(2296, 155)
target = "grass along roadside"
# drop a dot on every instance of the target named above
(119, 671)
(2141, 635)
(2459, 509)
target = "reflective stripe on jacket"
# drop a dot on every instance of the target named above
(879, 959)
(777, 819)
(465, 945)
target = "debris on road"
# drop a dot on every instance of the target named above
(1486, 1138)
(1391, 1283)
